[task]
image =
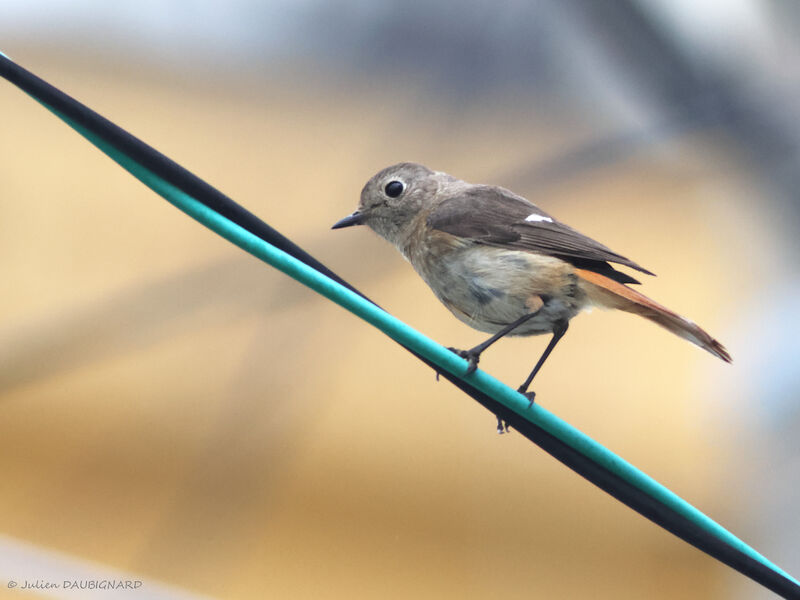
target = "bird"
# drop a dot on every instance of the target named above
(500, 263)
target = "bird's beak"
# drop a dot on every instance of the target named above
(353, 219)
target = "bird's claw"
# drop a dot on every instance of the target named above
(502, 426)
(472, 358)
(473, 365)
(531, 396)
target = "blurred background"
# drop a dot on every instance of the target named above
(175, 412)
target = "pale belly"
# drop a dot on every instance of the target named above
(488, 288)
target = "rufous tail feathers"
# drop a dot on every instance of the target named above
(607, 293)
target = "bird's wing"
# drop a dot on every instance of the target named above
(496, 217)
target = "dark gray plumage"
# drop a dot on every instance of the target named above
(497, 217)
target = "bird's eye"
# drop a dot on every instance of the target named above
(394, 188)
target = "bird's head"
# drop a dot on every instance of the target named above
(393, 197)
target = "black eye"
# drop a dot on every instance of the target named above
(394, 188)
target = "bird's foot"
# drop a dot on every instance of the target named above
(531, 396)
(472, 357)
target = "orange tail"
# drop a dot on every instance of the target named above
(608, 293)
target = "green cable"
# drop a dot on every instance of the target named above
(423, 345)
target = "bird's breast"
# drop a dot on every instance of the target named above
(488, 287)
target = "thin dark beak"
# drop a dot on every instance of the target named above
(354, 219)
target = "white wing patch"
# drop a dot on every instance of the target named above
(535, 218)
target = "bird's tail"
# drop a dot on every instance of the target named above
(607, 293)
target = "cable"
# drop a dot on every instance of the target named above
(570, 446)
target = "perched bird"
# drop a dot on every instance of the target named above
(500, 263)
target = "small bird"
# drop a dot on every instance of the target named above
(500, 263)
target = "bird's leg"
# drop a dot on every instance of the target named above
(559, 329)
(474, 354)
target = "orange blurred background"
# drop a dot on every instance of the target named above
(178, 413)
